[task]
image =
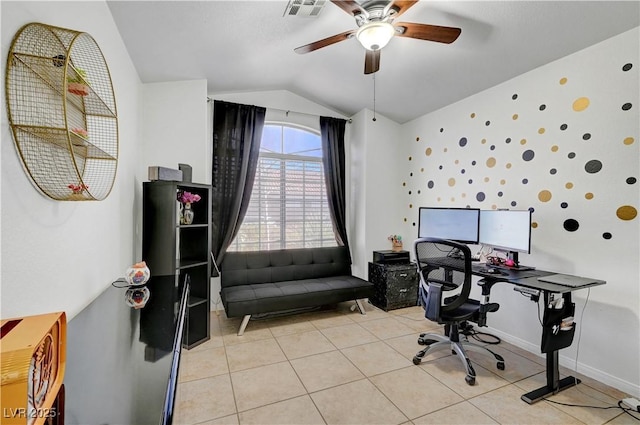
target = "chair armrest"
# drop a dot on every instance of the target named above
(431, 300)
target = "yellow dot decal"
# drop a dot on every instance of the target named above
(486, 179)
(422, 170)
(453, 199)
(563, 81)
(503, 182)
(417, 139)
(581, 104)
(404, 183)
(628, 141)
(452, 182)
(405, 219)
(523, 141)
(464, 195)
(483, 141)
(473, 115)
(410, 158)
(541, 130)
(534, 225)
(554, 148)
(410, 205)
(508, 166)
(569, 185)
(491, 162)
(428, 151)
(588, 195)
(456, 161)
(445, 150)
(626, 212)
(544, 196)
(438, 199)
(514, 117)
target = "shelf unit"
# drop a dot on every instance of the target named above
(174, 249)
(62, 112)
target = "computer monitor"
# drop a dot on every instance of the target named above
(506, 230)
(457, 224)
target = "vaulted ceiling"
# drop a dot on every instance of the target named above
(240, 46)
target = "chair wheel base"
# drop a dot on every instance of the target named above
(417, 360)
(471, 380)
(500, 365)
(425, 341)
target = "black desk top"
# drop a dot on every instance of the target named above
(119, 359)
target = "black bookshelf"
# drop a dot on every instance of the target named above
(174, 249)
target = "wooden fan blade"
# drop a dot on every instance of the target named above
(372, 61)
(402, 6)
(351, 7)
(324, 42)
(427, 32)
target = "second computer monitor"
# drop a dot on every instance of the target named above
(457, 224)
(506, 230)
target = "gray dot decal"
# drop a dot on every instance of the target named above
(593, 166)
(627, 67)
(528, 155)
(441, 130)
(571, 225)
(500, 194)
(440, 167)
(514, 97)
(470, 181)
(462, 171)
(564, 205)
(514, 203)
(626, 106)
(525, 181)
(543, 107)
(430, 184)
(508, 140)
(563, 127)
(553, 171)
(480, 196)
(473, 162)
(606, 235)
(571, 155)
(586, 136)
(631, 180)
(492, 147)
(487, 123)
(463, 142)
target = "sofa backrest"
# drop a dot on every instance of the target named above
(242, 268)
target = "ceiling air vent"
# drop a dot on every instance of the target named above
(304, 8)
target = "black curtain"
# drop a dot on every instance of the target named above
(333, 161)
(237, 130)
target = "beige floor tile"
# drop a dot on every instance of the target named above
(304, 344)
(623, 419)
(204, 399)
(227, 420)
(516, 367)
(295, 411)
(585, 396)
(414, 391)
(253, 354)
(348, 335)
(449, 371)
(202, 364)
(415, 311)
(387, 327)
(358, 402)
(505, 406)
(331, 320)
(375, 358)
(252, 333)
(265, 385)
(372, 314)
(290, 326)
(421, 325)
(408, 346)
(325, 370)
(459, 414)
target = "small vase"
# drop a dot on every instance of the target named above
(138, 274)
(396, 247)
(78, 88)
(187, 214)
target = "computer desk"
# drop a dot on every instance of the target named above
(551, 342)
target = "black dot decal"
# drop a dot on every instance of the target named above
(409, 192)
(553, 171)
(514, 203)
(508, 140)
(487, 123)
(631, 180)
(441, 130)
(492, 147)
(528, 155)
(593, 166)
(543, 107)
(470, 181)
(463, 142)
(414, 224)
(563, 127)
(462, 171)
(480, 196)
(525, 181)
(606, 235)
(411, 174)
(532, 209)
(418, 192)
(586, 136)
(626, 106)
(571, 225)
(627, 66)
(500, 194)
(564, 205)
(473, 162)
(440, 167)
(571, 155)
(430, 184)
(514, 97)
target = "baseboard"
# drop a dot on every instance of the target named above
(627, 387)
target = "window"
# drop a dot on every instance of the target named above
(288, 206)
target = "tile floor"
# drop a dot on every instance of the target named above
(335, 366)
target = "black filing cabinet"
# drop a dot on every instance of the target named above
(396, 285)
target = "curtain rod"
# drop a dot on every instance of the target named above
(287, 112)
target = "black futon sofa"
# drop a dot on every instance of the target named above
(258, 282)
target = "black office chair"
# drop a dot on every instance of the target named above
(444, 266)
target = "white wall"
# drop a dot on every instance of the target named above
(58, 256)
(503, 176)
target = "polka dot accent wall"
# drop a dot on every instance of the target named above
(547, 149)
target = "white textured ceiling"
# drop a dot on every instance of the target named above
(240, 46)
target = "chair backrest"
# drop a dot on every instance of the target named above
(443, 265)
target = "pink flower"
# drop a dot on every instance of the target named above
(188, 197)
(78, 188)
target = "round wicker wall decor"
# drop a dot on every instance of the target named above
(62, 112)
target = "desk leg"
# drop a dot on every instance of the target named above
(554, 383)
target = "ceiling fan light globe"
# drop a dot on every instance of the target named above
(375, 35)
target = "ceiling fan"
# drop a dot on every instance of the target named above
(375, 28)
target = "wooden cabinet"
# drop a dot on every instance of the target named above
(174, 249)
(396, 285)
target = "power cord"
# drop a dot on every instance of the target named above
(468, 331)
